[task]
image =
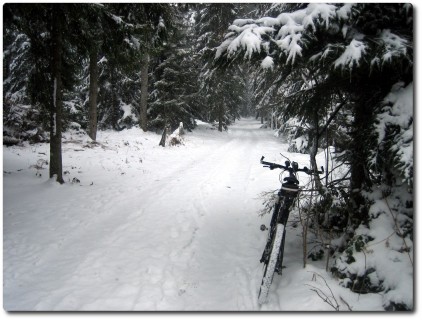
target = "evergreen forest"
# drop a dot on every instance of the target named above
(327, 80)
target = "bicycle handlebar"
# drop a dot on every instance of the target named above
(293, 168)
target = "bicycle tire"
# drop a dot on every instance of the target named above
(281, 254)
(270, 267)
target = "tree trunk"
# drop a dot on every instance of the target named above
(314, 140)
(272, 119)
(56, 168)
(144, 93)
(359, 171)
(220, 118)
(93, 93)
(113, 101)
(114, 110)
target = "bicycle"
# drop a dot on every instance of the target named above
(272, 257)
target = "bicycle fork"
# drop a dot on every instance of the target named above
(280, 216)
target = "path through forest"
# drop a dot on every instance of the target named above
(146, 227)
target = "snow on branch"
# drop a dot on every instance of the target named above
(393, 45)
(285, 31)
(249, 39)
(323, 11)
(398, 112)
(116, 19)
(345, 11)
(290, 34)
(351, 55)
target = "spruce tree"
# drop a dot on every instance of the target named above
(174, 84)
(219, 99)
(47, 28)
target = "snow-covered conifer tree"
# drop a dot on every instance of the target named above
(219, 88)
(174, 80)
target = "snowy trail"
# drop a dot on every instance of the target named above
(159, 228)
(108, 244)
(198, 252)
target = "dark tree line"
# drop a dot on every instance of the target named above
(102, 66)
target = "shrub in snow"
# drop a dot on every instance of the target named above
(22, 122)
(359, 277)
(385, 260)
(10, 141)
(394, 129)
(75, 126)
(380, 256)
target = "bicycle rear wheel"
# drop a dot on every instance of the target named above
(275, 255)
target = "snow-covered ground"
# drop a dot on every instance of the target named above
(141, 227)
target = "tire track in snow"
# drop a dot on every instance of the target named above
(166, 247)
(154, 248)
(229, 274)
(92, 226)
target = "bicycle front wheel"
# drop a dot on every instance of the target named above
(269, 269)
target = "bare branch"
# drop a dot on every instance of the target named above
(329, 299)
(344, 301)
